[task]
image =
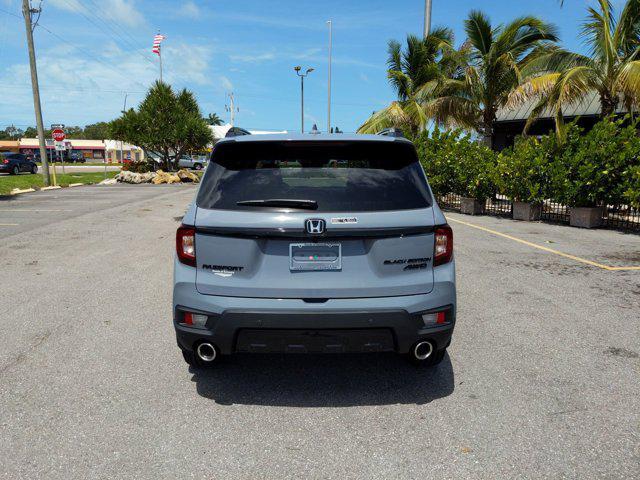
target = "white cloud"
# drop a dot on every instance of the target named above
(121, 11)
(226, 83)
(252, 58)
(190, 9)
(79, 90)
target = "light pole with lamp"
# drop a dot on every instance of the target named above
(302, 75)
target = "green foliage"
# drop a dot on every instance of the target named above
(632, 190)
(137, 167)
(213, 119)
(596, 168)
(455, 163)
(96, 131)
(166, 124)
(523, 172)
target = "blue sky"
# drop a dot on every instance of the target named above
(91, 52)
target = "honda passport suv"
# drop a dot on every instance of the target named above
(314, 244)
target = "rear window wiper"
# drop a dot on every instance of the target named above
(281, 202)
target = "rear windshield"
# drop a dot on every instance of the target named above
(337, 176)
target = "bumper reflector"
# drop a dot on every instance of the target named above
(194, 319)
(435, 318)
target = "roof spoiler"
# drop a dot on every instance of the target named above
(237, 132)
(391, 132)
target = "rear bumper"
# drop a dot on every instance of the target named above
(238, 324)
(314, 332)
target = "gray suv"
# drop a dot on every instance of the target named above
(314, 244)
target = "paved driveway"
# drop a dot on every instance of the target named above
(541, 381)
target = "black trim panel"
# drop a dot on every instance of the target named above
(279, 232)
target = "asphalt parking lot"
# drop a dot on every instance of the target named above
(541, 381)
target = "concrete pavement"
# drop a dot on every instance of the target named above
(541, 380)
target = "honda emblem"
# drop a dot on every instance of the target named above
(315, 226)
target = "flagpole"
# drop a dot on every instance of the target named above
(160, 56)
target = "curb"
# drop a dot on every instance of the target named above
(17, 191)
(53, 187)
(76, 184)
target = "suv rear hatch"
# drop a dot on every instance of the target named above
(314, 220)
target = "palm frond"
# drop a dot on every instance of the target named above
(479, 32)
(454, 111)
(391, 116)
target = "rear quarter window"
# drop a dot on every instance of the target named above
(339, 176)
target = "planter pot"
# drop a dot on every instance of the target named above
(585, 217)
(471, 206)
(526, 211)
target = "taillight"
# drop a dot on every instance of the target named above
(5, 161)
(186, 245)
(443, 245)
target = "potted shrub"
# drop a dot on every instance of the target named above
(457, 164)
(594, 170)
(474, 175)
(522, 173)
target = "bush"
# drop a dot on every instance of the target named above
(454, 163)
(137, 167)
(523, 172)
(594, 169)
(632, 190)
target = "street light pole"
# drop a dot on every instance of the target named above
(302, 76)
(26, 12)
(329, 91)
(427, 18)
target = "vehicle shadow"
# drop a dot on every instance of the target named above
(323, 380)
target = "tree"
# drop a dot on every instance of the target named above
(96, 131)
(416, 75)
(213, 119)
(30, 132)
(166, 124)
(11, 133)
(612, 70)
(497, 55)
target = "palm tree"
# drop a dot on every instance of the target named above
(497, 55)
(611, 70)
(213, 119)
(415, 73)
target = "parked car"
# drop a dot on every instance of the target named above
(76, 157)
(196, 162)
(301, 243)
(15, 163)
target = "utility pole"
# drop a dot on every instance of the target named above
(26, 12)
(232, 108)
(329, 92)
(427, 18)
(124, 109)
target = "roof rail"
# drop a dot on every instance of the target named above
(236, 132)
(391, 132)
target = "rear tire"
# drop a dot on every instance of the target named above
(197, 166)
(190, 358)
(15, 171)
(34, 169)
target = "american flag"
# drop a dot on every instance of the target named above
(157, 40)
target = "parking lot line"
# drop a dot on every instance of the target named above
(8, 224)
(546, 249)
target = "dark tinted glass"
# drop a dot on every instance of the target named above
(339, 176)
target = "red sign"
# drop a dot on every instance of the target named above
(58, 135)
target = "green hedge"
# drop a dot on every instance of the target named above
(455, 163)
(599, 167)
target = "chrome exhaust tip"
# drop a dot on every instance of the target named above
(206, 352)
(422, 350)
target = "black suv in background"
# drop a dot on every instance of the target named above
(15, 163)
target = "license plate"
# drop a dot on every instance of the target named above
(315, 256)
